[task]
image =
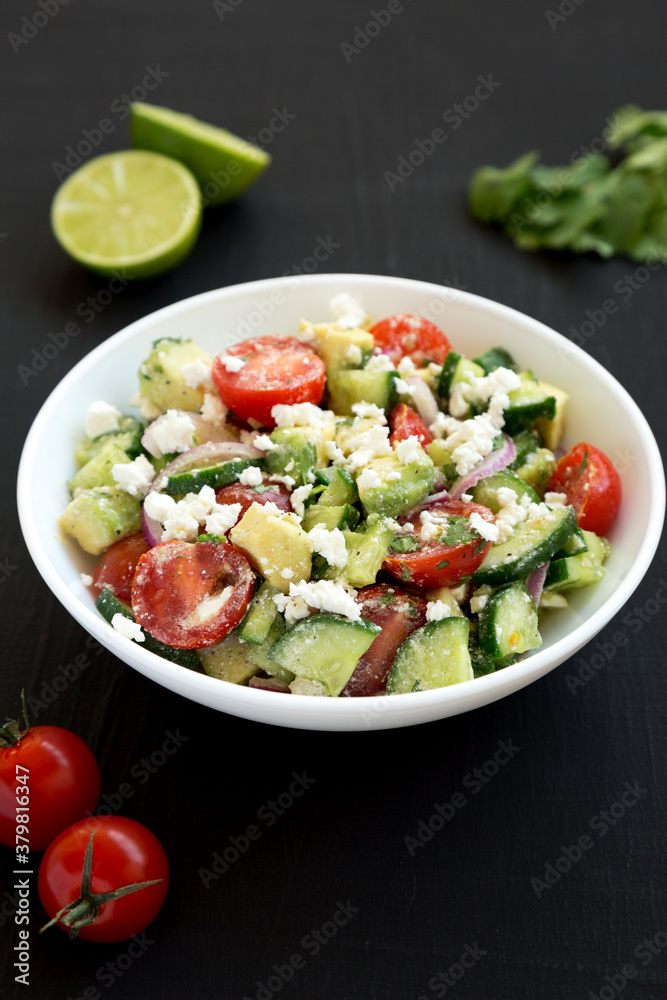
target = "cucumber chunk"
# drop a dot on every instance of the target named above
(361, 386)
(434, 656)
(228, 661)
(128, 437)
(215, 476)
(341, 517)
(533, 543)
(99, 517)
(259, 655)
(340, 489)
(508, 623)
(485, 492)
(109, 605)
(260, 617)
(456, 369)
(366, 550)
(97, 471)
(495, 357)
(324, 648)
(571, 572)
(527, 404)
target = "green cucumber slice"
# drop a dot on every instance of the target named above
(533, 543)
(215, 476)
(260, 617)
(485, 492)
(434, 656)
(507, 624)
(360, 386)
(324, 648)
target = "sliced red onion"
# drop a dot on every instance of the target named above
(204, 455)
(269, 684)
(424, 400)
(535, 582)
(495, 461)
(203, 430)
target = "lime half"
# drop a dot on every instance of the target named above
(224, 164)
(131, 210)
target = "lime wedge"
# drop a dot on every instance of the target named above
(224, 164)
(131, 210)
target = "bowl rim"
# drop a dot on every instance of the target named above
(323, 712)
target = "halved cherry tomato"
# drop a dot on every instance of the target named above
(399, 614)
(123, 853)
(275, 493)
(276, 370)
(191, 595)
(445, 561)
(592, 485)
(406, 422)
(405, 336)
(115, 569)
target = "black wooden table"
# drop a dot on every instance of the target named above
(494, 856)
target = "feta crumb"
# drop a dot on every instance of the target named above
(392, 477)
(173, 432)
(86, 579)
(213, 410)
(330, 544)
(444, 425)
(347, 311)
(231, 362)
(367, 445)
(555, 499)
(287, 573)
(486, 529)
(406, 366)
(264, 443)
(287, 481)
(368, 479)
(437, 610)
(466, 497)
(223, 517)
(101, 418)
(252, 476)
(379, 363)
(134, 477)
(197, 373)
(300, 415)
(327, 595)
(472, 441)
(410, 450)
(294, 608)
(297, 498)
(369, 410)
(125, 626)
(354, 354)
(403, 388)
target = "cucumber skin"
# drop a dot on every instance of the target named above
(498, 573)
(109, 605)
(216, 476)
(486, 633)
(402, 681)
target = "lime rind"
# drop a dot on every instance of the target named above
(224, 164)
(133, 210)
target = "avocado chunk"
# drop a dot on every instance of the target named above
(161, 380)
(400, 486)
(274, 545)
(97, 471)
(340, 349)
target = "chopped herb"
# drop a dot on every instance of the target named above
(478, 548)
(582, 467)
(404, 543)
(442, 564)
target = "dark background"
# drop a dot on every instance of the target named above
(410, 914)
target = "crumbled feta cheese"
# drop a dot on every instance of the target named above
(330, 544)
(213, 409)
(410, 450)
(252, 476)
(486, 529)
(354, 354)
(125, 626)
(264, 443)
(369, 410)
(232, 363)
(287, 481)
(406, 366)
(466, 497)
(182, 520)
(147, 409)
(403, 388)
(555, 499)
(444, 425)
(392, 476)
(347, 311)
(173, 432)
(379, 363)
(367, 445)
(298, 496)
(334, 453)
(437, 610)
(287, 573)
(327, 595)
(471, 442)
(368, 479)
(101, 418)
(134, 477)
(477, 602)
(223, 517)
(159, 506)
(197, 374)
(294, 608)
(300, 415)
(86, 579)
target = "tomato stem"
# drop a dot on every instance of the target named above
(11, 733)
(84, 910)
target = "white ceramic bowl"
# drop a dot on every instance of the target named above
(600, 411)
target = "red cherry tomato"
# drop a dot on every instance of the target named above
(399, 614)
(248, 495)
(191, 595)
(406, 422)
(48, 779)
(123, 853)
(404, 336)
(442, 561)
(592, 485)
(115, 570)
(276, 370)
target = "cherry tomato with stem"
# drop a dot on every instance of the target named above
(103, 879)
(48, 779)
